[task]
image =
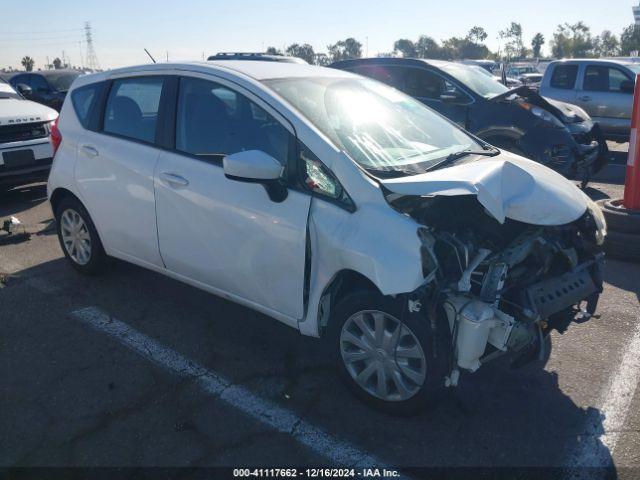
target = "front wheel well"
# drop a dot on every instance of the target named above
(343, 283)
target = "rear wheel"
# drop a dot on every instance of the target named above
(78, 237)
(390, 360)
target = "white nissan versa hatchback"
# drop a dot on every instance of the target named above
(334, 204)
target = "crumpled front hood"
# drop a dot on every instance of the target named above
(508, 186)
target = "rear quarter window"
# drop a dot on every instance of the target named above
(83, 99)
(564, 76)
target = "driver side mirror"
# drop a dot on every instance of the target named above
(24, 90)
(628, 86)
(256, 166)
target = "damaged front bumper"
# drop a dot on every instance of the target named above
(508, 300)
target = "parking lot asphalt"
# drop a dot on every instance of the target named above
(135, 369)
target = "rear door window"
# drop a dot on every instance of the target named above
(564, 76)
(600, 78)
(132, 108)
(82, 99)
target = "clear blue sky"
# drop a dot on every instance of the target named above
(188, 28)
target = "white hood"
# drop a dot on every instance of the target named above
(508, 186)
(14, 111)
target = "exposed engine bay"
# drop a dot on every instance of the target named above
(502, 286)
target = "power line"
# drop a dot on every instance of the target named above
(37, 39)
(4, 32)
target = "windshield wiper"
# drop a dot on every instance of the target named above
(487, 151)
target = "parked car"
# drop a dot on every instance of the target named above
(48, 87)
(531, 80)
(25, 147)
(490, 66)
(603, 88)
(263, 57)
(332, 203)
(556, 134)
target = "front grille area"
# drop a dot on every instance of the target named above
(22, 132)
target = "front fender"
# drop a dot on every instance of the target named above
(375, 241)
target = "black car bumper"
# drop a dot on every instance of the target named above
(15, 176)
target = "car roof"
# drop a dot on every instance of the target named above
(596, 60)
(256, 57)
(258, 70)
(393, 61)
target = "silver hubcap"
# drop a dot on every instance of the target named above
(382, 355)
(75, 236)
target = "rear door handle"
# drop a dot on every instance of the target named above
(89, 150)
(584, 98)
(174, 180)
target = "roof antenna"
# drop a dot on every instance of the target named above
(150, 56)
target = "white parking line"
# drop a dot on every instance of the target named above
(337, 451)
(602, 435)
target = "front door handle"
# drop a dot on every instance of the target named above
(584, 98)
(89, 150)
(174, 180)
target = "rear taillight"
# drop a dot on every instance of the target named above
(56, 136)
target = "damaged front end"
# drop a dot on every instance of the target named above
(502, 286)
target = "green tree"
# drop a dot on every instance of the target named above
(427, 47)
(345, 50)
(536, 44)
(304, 52)
(28, 63)
(572, 41)
(630, 40)
(514, 46)
(606, 44)
(477, 35)
(273, 51)
(405, 47)
(57, 63)
(322, 59)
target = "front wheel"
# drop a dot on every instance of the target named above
(393, 361)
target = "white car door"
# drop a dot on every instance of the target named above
(223, 233)
(115, 169)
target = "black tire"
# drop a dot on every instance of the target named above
(622, 245)
(435, 345)
(618, 218)
(98, 258)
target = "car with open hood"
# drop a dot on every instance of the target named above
(334, 204)
(559, 135)
(25, 146)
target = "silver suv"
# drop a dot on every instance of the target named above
(604, 88)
